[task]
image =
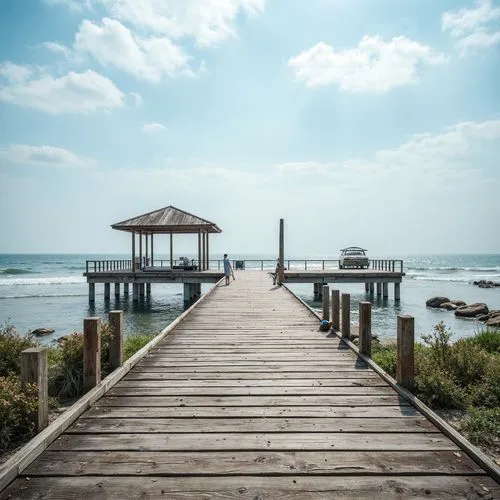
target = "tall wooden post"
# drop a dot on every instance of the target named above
(208, 253)
(405, 362)
(141, 263)
(203, 250)
(92, 292)
(371, 288)
(34, 371)
(171, 251)
(107, 287)
(385, 290)
(125, 288)
(116, 341)
(135, 292)
(133, 251)
(281, 273)
(148, 289)
(365, 328)
(199, 249)
(379, 288)
(336, 310)
(346, 316)
(152, 252)
(91, 352)
(326, 302)
(117, 289)
(397, 291)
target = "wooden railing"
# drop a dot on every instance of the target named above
(389, 265)
(95, 266)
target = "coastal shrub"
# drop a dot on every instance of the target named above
(482, 426)
(17, 411)
(437, 388)
(439, 343)
(467, 362)
(385, 357)
(11, 346)
(486, 392)
(136, 342)
(66, 369)
(489, 340)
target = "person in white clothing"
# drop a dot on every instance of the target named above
(228, 268)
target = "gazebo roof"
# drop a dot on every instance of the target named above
(167, 220)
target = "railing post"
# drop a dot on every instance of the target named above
(323, 263)
(365, 328)
(335, 310)
(346, 316)
(405, 363)
(326, 302)
(34, 371)
(116, 340)
(91, 353)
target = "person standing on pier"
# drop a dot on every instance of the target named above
(228, 269)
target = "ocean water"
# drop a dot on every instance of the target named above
(50, 291)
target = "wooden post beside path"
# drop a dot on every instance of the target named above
(346, 316)
(91, 353)
(34, 371)
(326, 302)
(405, 363)
(365, 328)
(335, 310)
(116, 341)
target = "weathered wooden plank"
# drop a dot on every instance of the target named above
(253, 401)
(197, 374)
(251, 411)
(145, 390)
(271, 364)
(152, 425)
(387, 487)
(154, 381)
(312, 463)
(391, 441)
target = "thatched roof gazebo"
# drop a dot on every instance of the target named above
(168, 220)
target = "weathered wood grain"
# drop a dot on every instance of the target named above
(312, 463)
(384, 487)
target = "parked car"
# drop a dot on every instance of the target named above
(353, 257)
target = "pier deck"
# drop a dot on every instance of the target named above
(246, 399)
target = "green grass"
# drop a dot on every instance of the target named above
(134, 343)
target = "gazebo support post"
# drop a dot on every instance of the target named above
(133, 251)
(152, 254)
(171, 251)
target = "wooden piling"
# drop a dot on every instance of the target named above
(135, 292)
(34, 371)
(397, 291)
(346, 316)
(379, 289)
(116, 340)
(91, 352)
(148, 289)
(117, 290)
(365, 328)
(107, 288)
(371, 288)
(335, 310)
(385, 290)
(92, 292)
(405, 362)
(281, 271)
(125, 289)
(367, 287)
(326, 302)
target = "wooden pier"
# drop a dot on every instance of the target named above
(246, 399)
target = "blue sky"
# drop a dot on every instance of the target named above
(365, 122)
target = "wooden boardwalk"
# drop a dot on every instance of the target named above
(246, 399)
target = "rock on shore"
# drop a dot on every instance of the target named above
(40, 332)
(486, 284)
(437, 301)
(472, 310)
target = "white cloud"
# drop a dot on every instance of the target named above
(113, 44)
(14, 72)
(72, 93)
(57, 48)
(207, 21)
(473, 27)
(74, 5)
(373, 66)
(45, 156)
(463, 21)
(153, 127)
